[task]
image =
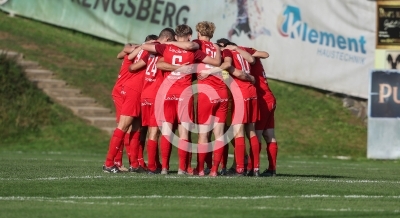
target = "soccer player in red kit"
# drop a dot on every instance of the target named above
(244, 96)
(117, 97)
(177, 101)
(152, 81)
(129, 118)
(212, 103)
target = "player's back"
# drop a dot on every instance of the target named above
(177, 81)
(136, 79)
(247, 89)
(215, 80)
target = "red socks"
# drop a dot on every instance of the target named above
(240, 147)
(272, 152)
(113, 148)
(202, 149)
(255, 152)
(152, 155)
(134, 146)
(165, 152)
(219, 149)
(118, 157)
(183, 147)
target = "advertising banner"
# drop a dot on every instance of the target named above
(323, 44)
(384, 114)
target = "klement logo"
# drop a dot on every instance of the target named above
(290, 24)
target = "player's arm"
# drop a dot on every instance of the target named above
(185, 45)
(134, 53)
(128, 48)
(213, 61)
(184, 68)
(136, 66)
(162, 65)
(247, 56)
(149, 47)
(240, 74)
(260, 54)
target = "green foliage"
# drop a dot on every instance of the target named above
(23, 107)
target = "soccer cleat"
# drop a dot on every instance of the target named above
(123, 168)
(164, 172)
(149, 172)
(137, 170)
(223, 172)
(256, 173)
(213, 174)
(268, 173)
(181, 172)
(191, 171)
(112, 169)
(207, 171)
(249, 173)
(231, 171)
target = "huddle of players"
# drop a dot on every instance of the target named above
(153, 90)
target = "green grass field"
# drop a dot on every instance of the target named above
(56, 184)
(51, 160)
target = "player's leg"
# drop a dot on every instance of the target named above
(166, 138)
(219, 146)
(272, 144)
(152, 147)
(240, 147)
(115, 143)
(254, 151)
(142, 143)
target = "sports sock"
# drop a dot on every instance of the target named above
(151, 155)
(224, 160)
(201, 155)
(255, 150)
(240, 147)
(272, 152)
(219, 149)
(158, 163)
(183, 146)
(127, 146)
(165, 151)
(134, 146)
(118, 157)
(113, 148)
(140, 153)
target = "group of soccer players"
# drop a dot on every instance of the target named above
(154, 92)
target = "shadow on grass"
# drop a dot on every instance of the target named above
(312, 176)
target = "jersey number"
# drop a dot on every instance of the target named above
(177, 61)
(245, 65)
(152, 68)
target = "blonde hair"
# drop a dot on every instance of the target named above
(206, 28)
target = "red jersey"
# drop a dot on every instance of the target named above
(215, 80)
(123, 75)
(257, 70)
(153, 77)
(175, 80)
(248, 90)
(136, 80)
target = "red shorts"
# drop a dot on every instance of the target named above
(212, 109)
(267, 114)
(148, 112)
(177, 109)
(247, 109)
(118, 101)
(131, 106)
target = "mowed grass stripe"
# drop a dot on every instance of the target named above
(152, 177)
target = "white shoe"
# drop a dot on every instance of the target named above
(164, 172)
(181, 172)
